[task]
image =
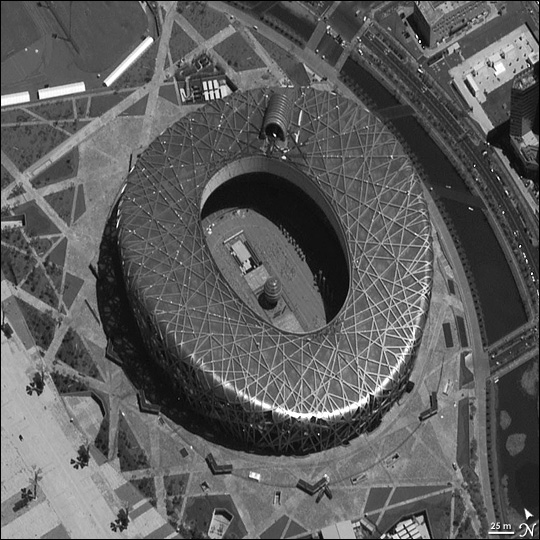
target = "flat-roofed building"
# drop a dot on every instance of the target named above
(439, 20)
(473, 87)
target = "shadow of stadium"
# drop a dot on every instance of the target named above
(121, 329)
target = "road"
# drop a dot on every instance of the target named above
(345, 21)
(507, 214)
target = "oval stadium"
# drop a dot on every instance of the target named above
(276, 252)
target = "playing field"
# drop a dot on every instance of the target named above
(18, 28)
(102, 32)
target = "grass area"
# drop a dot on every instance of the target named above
(37, 222)
(141, 72)
(180, 43)
(73, 352)
(105, 31)
(175, 487)
(376, 499)
(6, 177)
(465, 374)
(14, 237)
(237, 52)
(16, 265)
(80, 204)
(16, 190)
(60, 110)
(62, 203)
(101, 104)
(167, 92)
(275, 51)
(102, 438)
(466, 529)
(203, 18)
(198, 514)
(63, 169)
(81, 105)
(26, 144)
(132, 456)
(58, 254)
(16, 116)
(55, 273)
(147, 487)
(41, 325)
(66, 384)
(41, 245)
(459, 508)
(72, 286)
(39, 286)
(475, 491)
(137, 109)
(294, 69)
(462, 451)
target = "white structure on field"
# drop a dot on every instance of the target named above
(15, 99)
(59, 91)
(129, 61)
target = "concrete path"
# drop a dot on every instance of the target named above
(72, 494)
(480, 357)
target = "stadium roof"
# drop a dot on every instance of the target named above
(360, 169)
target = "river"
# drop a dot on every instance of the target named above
(499, 296)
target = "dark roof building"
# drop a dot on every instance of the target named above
(524, 114)
(439, 20)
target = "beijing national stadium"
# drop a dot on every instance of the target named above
(276, 252)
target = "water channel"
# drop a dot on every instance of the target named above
(498, 293)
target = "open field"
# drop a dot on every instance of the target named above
(6, 178)
(103, 32)
(290, 65)
(62, 203)
(237, 52)
(25, 145)
(64, 168)
(41, 325)
(73, 352)
(141, 71)
(39, 286)
(179, 43)
(132, 456)
(203, 18)
(37, 222)
(18, 28)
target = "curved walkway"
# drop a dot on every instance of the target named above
(480, 357)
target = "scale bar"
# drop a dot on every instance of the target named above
(501, 532)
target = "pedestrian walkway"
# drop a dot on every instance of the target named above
(79, 499)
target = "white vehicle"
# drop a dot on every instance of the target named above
(255, 476)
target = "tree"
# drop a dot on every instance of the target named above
(37, 384)
(83, 457)
(122, 519)
(34, 480)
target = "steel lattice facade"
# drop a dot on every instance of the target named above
(278, 391)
